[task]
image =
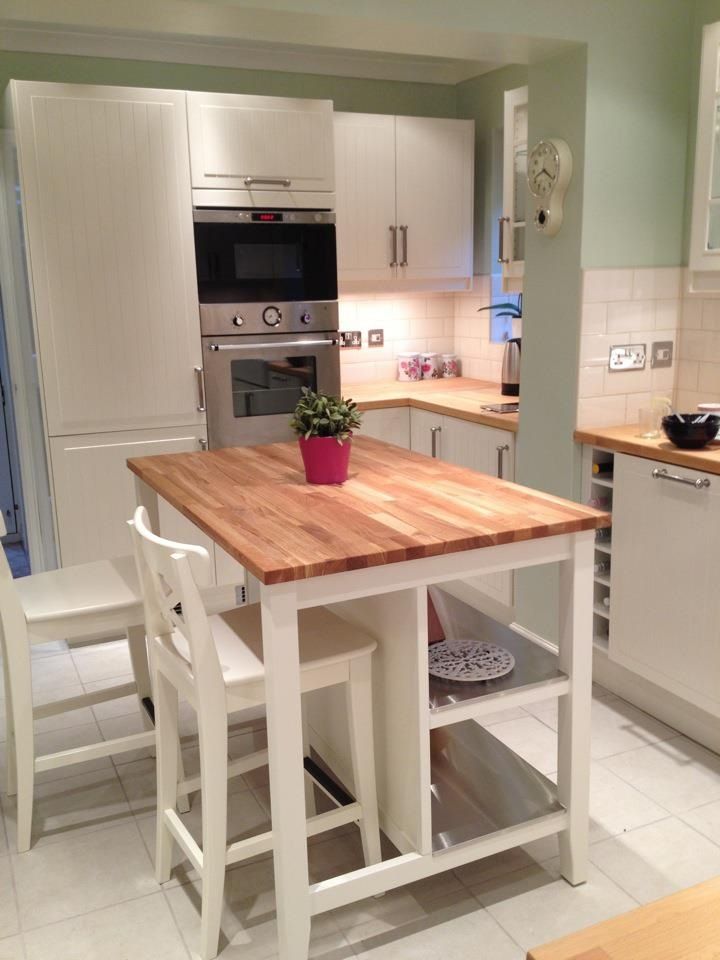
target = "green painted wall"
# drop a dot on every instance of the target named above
(482, 100)
(547, 457)
(348, 93)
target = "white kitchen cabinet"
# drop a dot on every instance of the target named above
(95, 493)
(704, 258)
(511, 226)
(391, 424)
(365, 204)
(665, 608)
(260, 143)
(404, 202)
(105, 182)
(477, 447)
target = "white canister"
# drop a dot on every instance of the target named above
(408, 366)
(449, 365)
(431, 366)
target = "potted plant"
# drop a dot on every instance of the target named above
(324, 426)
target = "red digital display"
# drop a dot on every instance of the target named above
(267, 217)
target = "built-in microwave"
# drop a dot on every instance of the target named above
(265, 256)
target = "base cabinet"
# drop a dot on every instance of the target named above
(665, 571)
(391, 425)
(95, 492)
(477, 447)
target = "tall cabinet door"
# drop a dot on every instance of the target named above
(664, 557)
(95, 491)
(365, 186)
(106, 183)
(235, 138)
(434, 197)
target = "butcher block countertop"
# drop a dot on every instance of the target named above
(625, 439)
(458, 397)
(396, 505)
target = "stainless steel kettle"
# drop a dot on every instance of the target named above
(511, 368)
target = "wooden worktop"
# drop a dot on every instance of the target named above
(396, 505)
(458, 397)
(625, 439)
(683, 926)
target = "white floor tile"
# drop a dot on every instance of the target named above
(125, 727)
(73, 876)
(456, 929)
(11, 948)
(678, 774)
(142, 929)
(536, 905)
(58, 671)
(64, 739)
(119, 707)
(706, 820)
(69, 718)
(72, 806)
(658, 859)
(616, 726)
(102, 661)
(531, 739)
(615, 806)
(50, 649)
(9, 921)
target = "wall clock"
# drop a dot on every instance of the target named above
(548, 175)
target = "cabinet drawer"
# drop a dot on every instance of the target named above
(391, 425)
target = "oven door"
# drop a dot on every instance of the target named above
(265, 262)
(253, 383)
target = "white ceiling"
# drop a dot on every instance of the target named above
(193, 31)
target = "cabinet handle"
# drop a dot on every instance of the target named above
(501, 448)
(404, 231)
(203, 443)
(434, 431)
(501, 239)
(278, 181)
(200, 389)
(393, 231)
(664, 475)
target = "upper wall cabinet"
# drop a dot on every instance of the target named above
(404, 202)
(511, 226)
(105, 179)
(705, 232)
(260, 143)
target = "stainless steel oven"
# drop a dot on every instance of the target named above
(256, 358)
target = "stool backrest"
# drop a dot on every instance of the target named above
(172, 600)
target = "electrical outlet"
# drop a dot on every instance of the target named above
(351, 339)
(376, 338)
(628, 356)
(661, 354)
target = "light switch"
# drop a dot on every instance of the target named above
(661, 354)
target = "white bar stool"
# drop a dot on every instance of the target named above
(80, 602)
(215, 663)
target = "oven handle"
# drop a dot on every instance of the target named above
(279, 344)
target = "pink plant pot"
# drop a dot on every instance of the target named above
(325, 460)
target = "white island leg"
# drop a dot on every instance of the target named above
(576, 601)
(285, 749)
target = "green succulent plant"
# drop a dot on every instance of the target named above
(319, 415)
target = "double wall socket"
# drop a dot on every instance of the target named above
(350, 338)
(628, 356)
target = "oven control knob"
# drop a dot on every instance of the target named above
(305, 318)
(238, 320)
(272, 316)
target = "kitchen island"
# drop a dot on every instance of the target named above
(371, 547)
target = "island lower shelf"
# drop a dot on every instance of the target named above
(480, 787)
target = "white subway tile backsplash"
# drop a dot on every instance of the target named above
(603, 286)
(710, 315)
(626, 381)
(601, 411)
(691, 314)
(633, 403)
(660, 283)
(632, 315)
(708, 378)
(595, 350)
(687, 374)
(594, 318)
(667, 314)
(591, 382)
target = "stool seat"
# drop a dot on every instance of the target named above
(325, 640)
(87, 590)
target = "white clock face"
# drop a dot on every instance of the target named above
(543, 169)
